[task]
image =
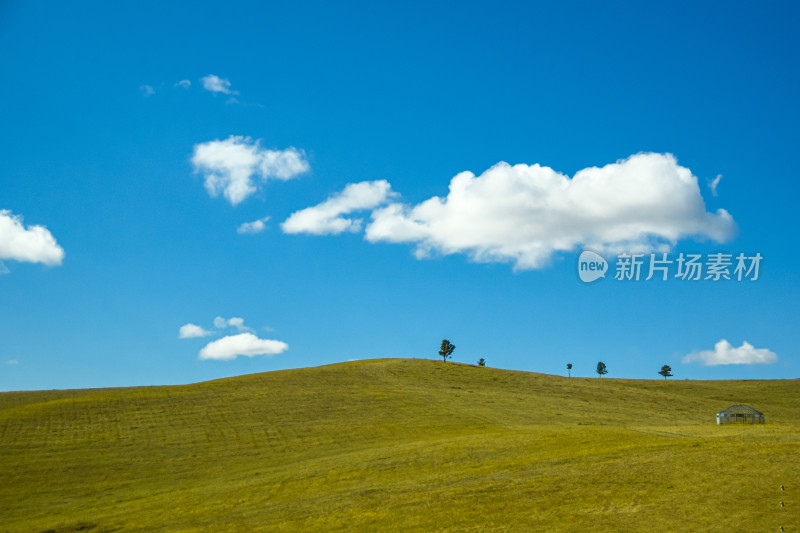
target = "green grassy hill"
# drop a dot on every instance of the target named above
(401, 445)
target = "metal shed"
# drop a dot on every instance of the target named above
(740, 414)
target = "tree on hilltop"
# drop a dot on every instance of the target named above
(446, 350)
(601, 369)
(666, 371)
(569, 370)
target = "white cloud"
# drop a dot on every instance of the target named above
(215, 84)
(714, 183)
(523, 214)
(191, 331)
(246, 344)
(257, 226)
(12, 362)
(725, 354)
(32, 244)
(229, 166)
(147, 90)
(236, 322)
(184, 83)
(326, 218)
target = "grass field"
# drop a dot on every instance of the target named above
(401, 445)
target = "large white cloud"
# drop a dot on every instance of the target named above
(229, 166)
(326, 218)
(725, 354)
(191, 331)
(523, 214)
(32, 244)
(246, 344)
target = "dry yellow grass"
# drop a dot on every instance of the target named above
(401, 445)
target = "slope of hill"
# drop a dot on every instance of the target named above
(399, 445)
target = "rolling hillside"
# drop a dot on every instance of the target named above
(401, 445)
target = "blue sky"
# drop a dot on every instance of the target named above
(139, 140)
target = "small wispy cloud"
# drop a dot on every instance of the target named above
(215, 84)
(726, 354)
(714, 183)
(12, 362)
(236, 322)
(192, 331)
(327, 218)
(256, 226)
(211, 83)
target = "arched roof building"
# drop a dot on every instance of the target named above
(740, 414)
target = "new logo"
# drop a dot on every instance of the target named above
(591, 266)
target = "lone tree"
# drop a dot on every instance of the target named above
(666, 371)
(446, 350)
(569, 368)
(481, 362)
(601, 369)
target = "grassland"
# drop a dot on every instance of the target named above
(401, 445)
